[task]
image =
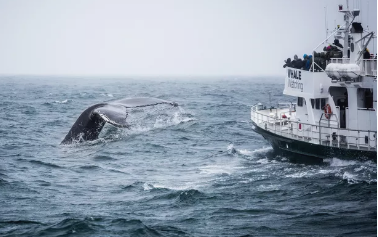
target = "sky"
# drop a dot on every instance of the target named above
(165, 37)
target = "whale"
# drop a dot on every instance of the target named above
(91, 121)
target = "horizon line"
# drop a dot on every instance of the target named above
(139, 75)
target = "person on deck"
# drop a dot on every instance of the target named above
(288, 63)
(297, 62)
(305, 57)
(337, 43)
(366, 54)
(308, 62)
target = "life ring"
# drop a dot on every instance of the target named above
(327, 111)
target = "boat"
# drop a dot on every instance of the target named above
(335, 114)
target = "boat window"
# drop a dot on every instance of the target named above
(339, 96)
(300, 101)
(312, 103)
(322, 103)
(365, 98)
(317, 103)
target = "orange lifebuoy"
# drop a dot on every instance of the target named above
(327, 111)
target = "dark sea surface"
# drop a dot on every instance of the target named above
(195, 170)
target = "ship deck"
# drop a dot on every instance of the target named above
(283, 122)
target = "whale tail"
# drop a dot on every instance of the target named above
(90, 123)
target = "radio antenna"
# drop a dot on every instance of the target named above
(325, 23)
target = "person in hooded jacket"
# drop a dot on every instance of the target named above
(303, 66)
(337, 43)
(294, 61)
(288, 63)
(308, 62)
(366, 54)
(297, 62)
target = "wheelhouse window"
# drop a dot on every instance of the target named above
(322, 103)
(317, 103)
(365, 98)
(300, 102)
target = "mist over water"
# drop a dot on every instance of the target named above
(194, 170)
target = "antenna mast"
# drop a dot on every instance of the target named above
(346, 32)
(325, 22)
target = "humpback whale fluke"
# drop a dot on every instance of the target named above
(90, 123)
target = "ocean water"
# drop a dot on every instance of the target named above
(194, 170)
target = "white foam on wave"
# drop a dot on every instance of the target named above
(325, 171)
(139, 129)
(223, 167)
(161, 119)
(174, 120)
(263, 161)
(158, 117)
(335, 162)
(62, 102)
(351, 178)
(245, 152)
(147, 186)
(177, 187)
(230, 147)
(298, 174)
(107, 95)
(260, 150)
(179, 118)
(219, 169)
(303, 172)
(268, 187)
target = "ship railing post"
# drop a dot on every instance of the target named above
(368, 140)
(282, 126)
(275, 125)
(291, 129)
(320, 130)
(258, 118)
(310, 133)
(304, 132)
(358, 140)
(320, 134)
(338, 138)
(347, 138)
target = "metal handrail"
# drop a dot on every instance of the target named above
(341, 136)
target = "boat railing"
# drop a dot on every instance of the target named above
(339, 60)
(369, 67)
(317, 134)
(282, 105)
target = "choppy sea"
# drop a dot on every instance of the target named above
(194, 170)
